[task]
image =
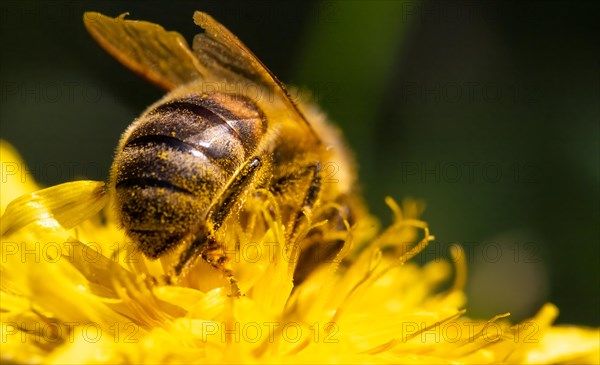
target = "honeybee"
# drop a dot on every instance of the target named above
(226, 128)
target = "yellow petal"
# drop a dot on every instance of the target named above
(15, 179)
(68, 204)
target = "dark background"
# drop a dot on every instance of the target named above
(487, 111)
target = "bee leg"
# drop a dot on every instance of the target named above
(222, 207)
(235, 289)
(196, 248)
(280, 187)
(209, 250)
(312, 171)
(204, 244)
(213, 255)
(316, 248)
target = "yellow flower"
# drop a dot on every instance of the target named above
(74, 291)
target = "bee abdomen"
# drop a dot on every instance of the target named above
(200, 125)
(168, 141)
(155, 217)
(159, 163)
(144, 182)
(153, 243)
(176, 159)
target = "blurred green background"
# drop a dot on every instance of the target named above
(487, 111)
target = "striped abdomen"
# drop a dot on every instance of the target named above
(175, 159)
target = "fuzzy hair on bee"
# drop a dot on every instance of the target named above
(226, 129)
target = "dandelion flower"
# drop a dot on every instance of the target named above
(73, 291)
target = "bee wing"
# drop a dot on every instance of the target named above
(225, 56)
(161, 56)
(68, 204)
(164, 57)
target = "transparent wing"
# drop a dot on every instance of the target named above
(68, 204)
(161, 56)
(225, 56)
(164, 57)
